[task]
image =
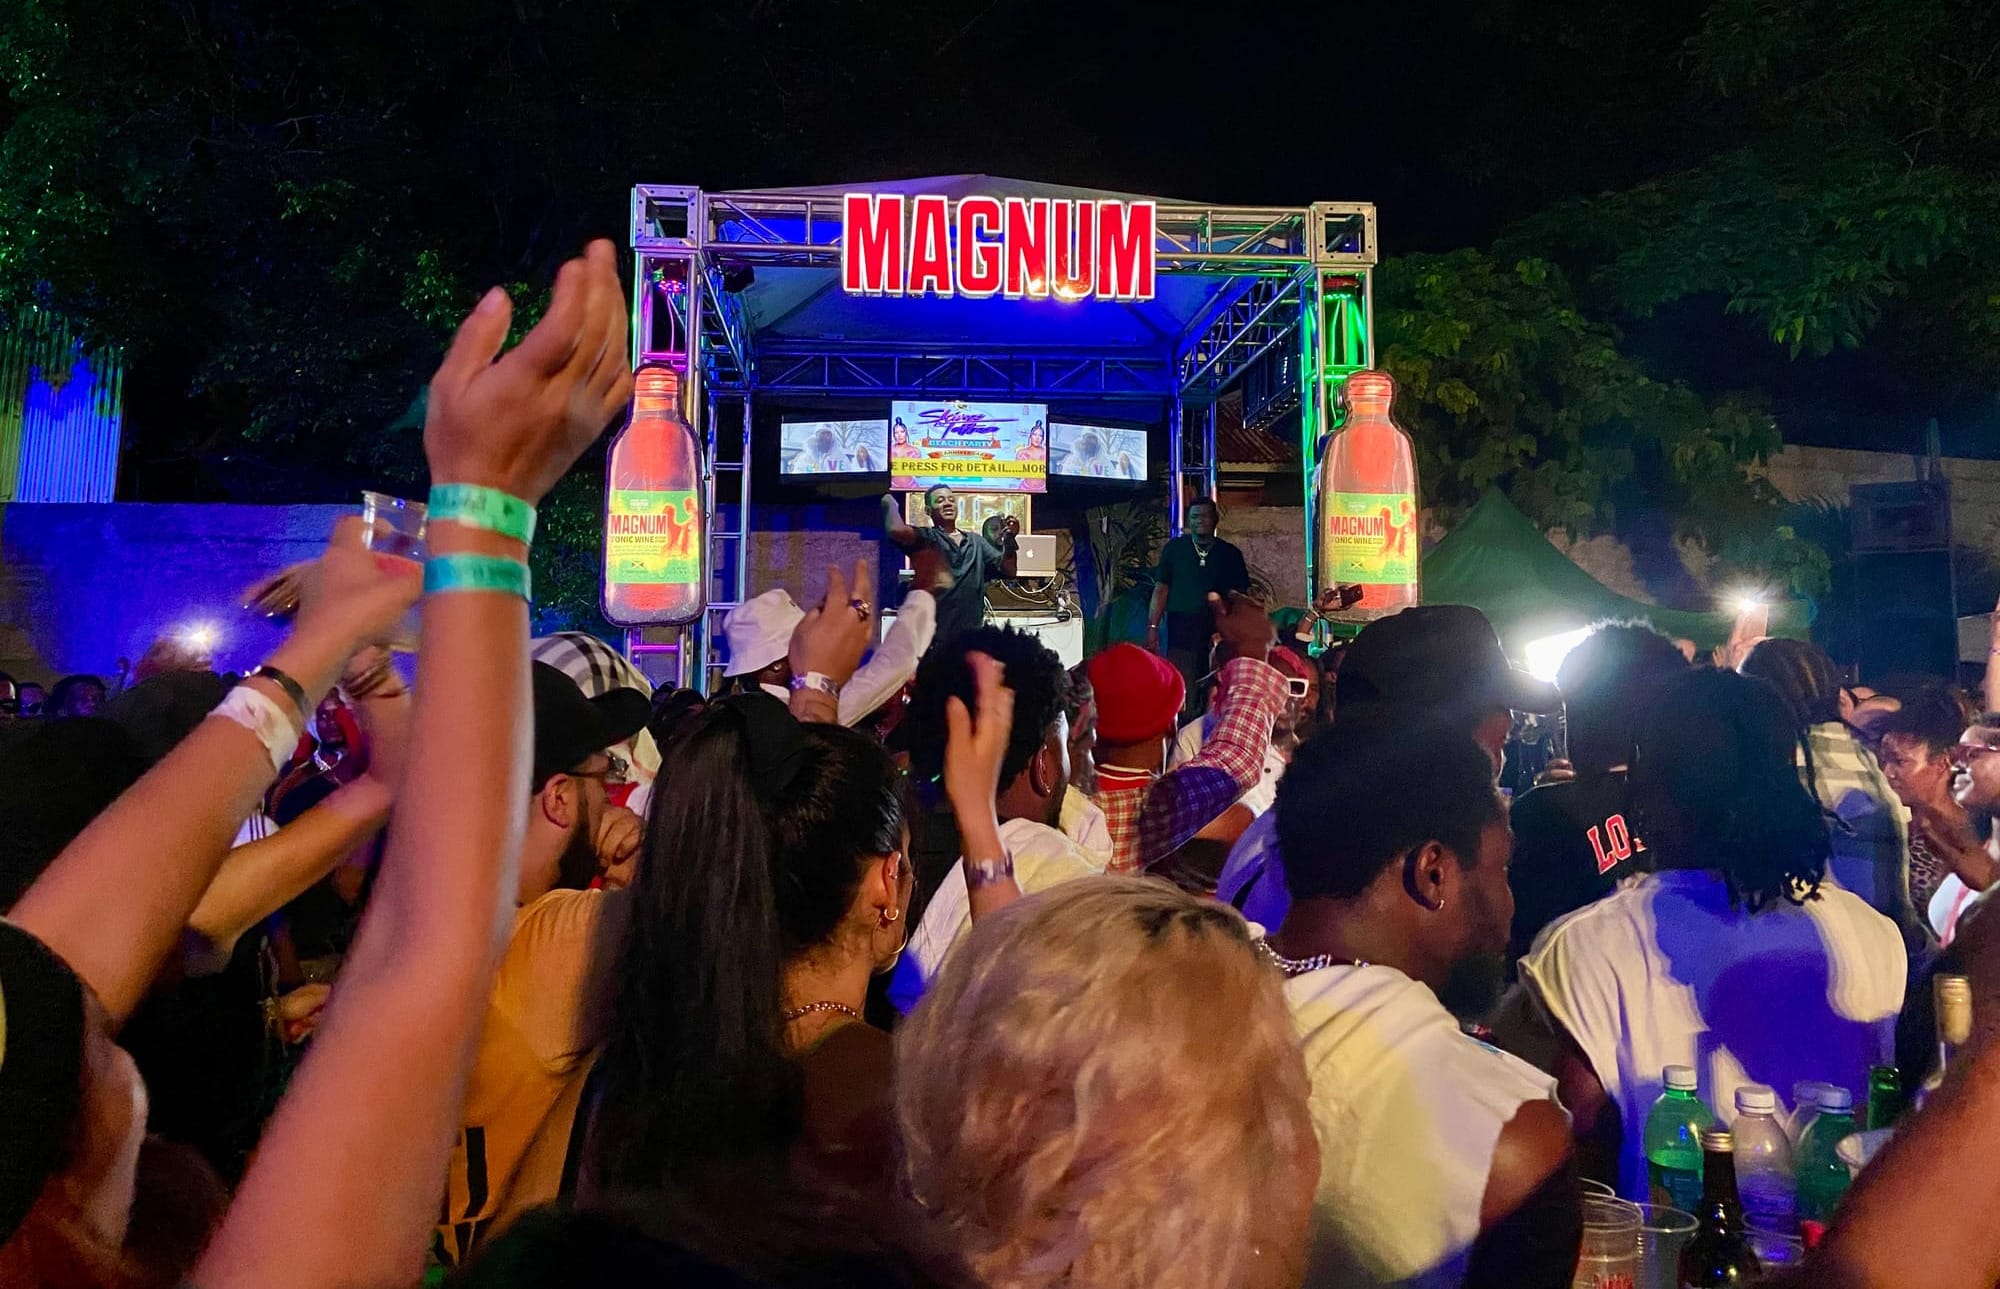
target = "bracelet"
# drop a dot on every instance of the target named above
(985, 872)
(481, 507)
(817, 680)
(445, 574)
(259, 713)
(293, 689)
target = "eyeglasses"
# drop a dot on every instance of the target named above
(1964, 754)
(617, 770)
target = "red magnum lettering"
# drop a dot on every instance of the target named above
(979, 269)
(871, 243)
(1125, 251)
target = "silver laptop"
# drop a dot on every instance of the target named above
(1035, 555)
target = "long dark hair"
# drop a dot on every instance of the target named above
(1716, 786)
(755, 844)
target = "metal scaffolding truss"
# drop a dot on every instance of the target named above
(1292, 276)
(880, 373)
(1261, 313)
(803, 228)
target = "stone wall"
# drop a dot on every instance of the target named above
(1804, 473)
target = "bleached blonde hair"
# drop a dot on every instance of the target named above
(1104, 1088)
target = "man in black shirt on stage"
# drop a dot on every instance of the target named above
(1191, 566)
(969, 557)
(1575, 840)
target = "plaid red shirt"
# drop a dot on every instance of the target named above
(1152, 815)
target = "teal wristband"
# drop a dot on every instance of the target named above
(480, 507)
(444, 574)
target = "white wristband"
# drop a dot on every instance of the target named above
(259, 713)
(817, 680)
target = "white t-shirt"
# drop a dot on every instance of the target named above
(1083, 822)
(1663, 972)
(1259, 796)
(1408, 1110)
(1948, 905)
(1043, 857)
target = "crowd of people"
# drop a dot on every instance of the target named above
(927, 961)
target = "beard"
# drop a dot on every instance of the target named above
(577, 865)
(1474, 985)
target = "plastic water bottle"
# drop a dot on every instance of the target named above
(1673, 1140)
(1763, 1160)
(1822, 1177)
(1805, 1108)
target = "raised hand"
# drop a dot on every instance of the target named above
(353, 591)
(833, 635)
(170, 654)
(1244, 625)
(520, 423)
(975, 746)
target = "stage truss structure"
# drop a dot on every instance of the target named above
(1299, 277)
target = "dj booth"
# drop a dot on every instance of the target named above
(1025, 344)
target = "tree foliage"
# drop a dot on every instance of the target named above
(1864, 193)
(1506, 382)
(283, 208)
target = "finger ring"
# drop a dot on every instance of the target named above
(861, 608)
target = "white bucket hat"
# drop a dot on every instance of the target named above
(759, 631)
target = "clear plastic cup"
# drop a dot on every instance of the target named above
(396, 527)
(1591, 1186)
(1609, 1256)
(1662, 1233)
(1773, 1247)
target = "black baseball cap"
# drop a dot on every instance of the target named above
(570, 729)
(1436, 658)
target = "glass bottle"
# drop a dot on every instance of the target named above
(1953, 995)
(1885, 1096)
(1719, 1253)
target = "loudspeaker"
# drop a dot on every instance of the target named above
(1906, 609)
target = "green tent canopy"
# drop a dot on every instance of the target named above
(1498, 562)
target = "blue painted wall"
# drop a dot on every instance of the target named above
(82, 586)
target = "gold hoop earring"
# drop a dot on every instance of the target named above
(888, 917)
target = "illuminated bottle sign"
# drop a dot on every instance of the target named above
(1368, 532)
(1019, 248)
(654, 529)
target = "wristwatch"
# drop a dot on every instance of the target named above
(818, 680)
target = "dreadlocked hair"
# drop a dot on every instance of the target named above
(1716, 786)
(1809, 685)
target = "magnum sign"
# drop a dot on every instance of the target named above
(1019, 247)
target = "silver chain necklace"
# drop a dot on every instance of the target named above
(1201, 552)
(800, 1013)
(1300, 966)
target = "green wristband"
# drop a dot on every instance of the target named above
(480, 507)
(445, 574)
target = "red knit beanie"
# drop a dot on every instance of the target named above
(1139, 694)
